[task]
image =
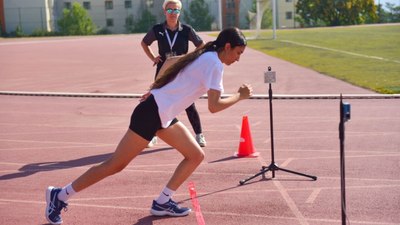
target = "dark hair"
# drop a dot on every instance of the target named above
(232, 35)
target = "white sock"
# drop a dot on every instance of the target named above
(165, 195)
(66, 193)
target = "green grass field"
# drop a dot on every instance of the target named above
(366, 56)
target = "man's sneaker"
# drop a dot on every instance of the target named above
(152, 142)
(169, 208)
(54, 206)
(201, 140)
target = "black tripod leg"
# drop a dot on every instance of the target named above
(294, 172)
(263, 171)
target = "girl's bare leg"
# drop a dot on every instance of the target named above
(180, 138)
(128, 148)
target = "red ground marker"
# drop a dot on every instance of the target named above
(196, 205)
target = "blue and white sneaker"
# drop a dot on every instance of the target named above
(169, 208)
(54, 206)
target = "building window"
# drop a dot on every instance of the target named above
(128, 4)
(110, 22)
(230, 4)
(289, 15)
(230, 19)
(86, 5)
(67, 5)
(109, 4)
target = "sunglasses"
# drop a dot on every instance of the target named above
(173, 11)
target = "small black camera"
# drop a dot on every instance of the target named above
(346, 111)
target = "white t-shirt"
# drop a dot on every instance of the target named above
(193, 81)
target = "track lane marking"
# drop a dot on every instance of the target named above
(313, 196)
(340, 51)
(302, 220)
(286, 162)
(5, 201)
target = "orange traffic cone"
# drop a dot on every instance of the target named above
(246, 148)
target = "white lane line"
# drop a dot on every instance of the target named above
(5, 201)
(302, 220)
(287, 161)
(313, 196)
(341, 51)
(43, 41)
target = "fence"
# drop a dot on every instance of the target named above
(28, 19)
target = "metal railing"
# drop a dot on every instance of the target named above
(256, 96)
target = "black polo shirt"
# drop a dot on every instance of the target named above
(181, 46)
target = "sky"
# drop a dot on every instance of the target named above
(383, 2)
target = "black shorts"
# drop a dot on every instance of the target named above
(145, 120)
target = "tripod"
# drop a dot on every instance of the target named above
(273, 166)
(344, 117)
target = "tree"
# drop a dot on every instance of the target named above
(266, 21)
(393, 15)
(335, 12)
(18, 32)
(146, 21)
(198, 16)
(76, 21)
(129, 24)
(388, 14)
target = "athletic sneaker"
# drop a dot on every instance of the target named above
(54, 206)
(169, 208)
(201, 140)
(152, 142)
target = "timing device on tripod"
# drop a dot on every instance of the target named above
(270, 77)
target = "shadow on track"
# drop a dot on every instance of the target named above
(33, 168)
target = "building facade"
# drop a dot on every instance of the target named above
(2, 17)
(230, 12)
(286, 14)
(42, 14)
(109, 14)
(31, 15)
